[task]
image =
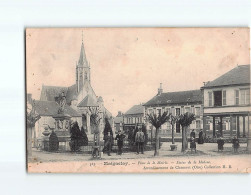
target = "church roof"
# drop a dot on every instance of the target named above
(136, 109)
(179, 97)
(71, 93)
(48, 93)
(88, 101)
(50, 108)
(108, 114)
(238, 76)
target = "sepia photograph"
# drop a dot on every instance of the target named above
(138, 100)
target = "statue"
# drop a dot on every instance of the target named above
(62, 102)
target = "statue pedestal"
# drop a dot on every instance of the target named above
(62, 130)
(64, 138)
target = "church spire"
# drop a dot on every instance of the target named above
(82, 58)
(83, 74)
(82, 36)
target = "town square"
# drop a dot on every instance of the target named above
(132, 111)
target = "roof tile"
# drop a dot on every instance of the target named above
(179, 97)
(50, 108)
(136, 109)
(88, 101)
(237, 76)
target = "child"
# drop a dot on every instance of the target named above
(193, 144)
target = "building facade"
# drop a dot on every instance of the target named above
(176, 103)
(227, 104)
(133, 117)
(118, 122)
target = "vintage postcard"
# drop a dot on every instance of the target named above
(138, 100)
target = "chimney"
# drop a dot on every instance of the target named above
(160, 90)
(29, 98)
(205, 83)
(119, 113)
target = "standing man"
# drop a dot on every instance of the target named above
(220, 143)
(236, 144)
(192, 134)
(120, 141)
(140, 139)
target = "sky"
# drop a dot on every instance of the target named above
(128, 64)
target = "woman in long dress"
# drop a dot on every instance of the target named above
(201, 138)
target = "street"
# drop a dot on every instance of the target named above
(206, 149)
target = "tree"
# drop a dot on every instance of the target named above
(185, 120)
(145, 133)
(53, 142)
(157, 121)
(107, 128)
(31, 119)
(84, 138)
(130, 137)
(95, 122)
(95, 118)
(75, 142)
(172, 120)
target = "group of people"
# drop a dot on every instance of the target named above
(235, 142)
(139, 140)
(192, 139)
(220, 142)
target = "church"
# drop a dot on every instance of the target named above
(80, 98)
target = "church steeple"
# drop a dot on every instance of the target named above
(82, 58)
(82, 68)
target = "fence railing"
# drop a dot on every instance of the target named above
(127, 147)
